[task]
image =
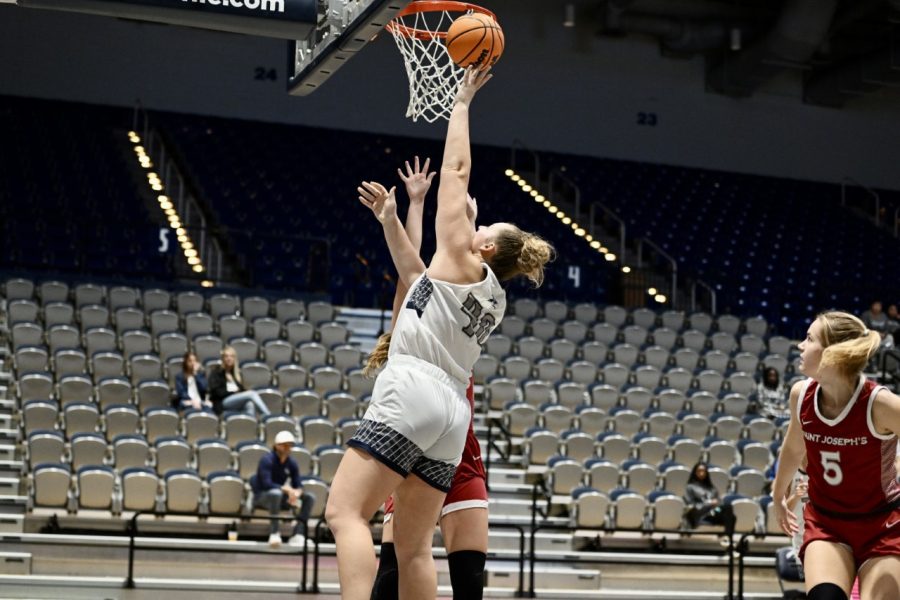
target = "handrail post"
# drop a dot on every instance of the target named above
(517, 143)
(132, 532)
(671, 260)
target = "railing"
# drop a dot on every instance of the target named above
(710, 292)
(561, 187)
(518, 146)
(891, 353)
(741, 548)
(520, 559)
(611, 215)
(667, 258)
(133, 530)
(539, 493)
(869, 191)
(727, 531)
(492, 445)
(186, 205)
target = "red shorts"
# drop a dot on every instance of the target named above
(468, 489)
(867, 538)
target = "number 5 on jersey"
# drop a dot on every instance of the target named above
(831, 464)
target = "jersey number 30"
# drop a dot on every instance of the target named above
(831, 465)
(480, 325)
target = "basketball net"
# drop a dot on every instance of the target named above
(433, 77)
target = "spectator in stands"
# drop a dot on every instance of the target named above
(276, 487)
(771, 396)
(191, 386)
(893, 321)
(875, 319)
(227, 391)
(702, 498)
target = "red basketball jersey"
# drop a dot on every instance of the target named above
(470, 465)
(851, 466)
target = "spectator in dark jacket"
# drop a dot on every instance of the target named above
(191, 386)
(701, 498)
(227, 391)
(276, 487)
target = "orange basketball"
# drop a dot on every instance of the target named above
(475, 39)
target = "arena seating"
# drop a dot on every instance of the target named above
(575, 421)
(258, 178)
(64, 175)
(767, 244)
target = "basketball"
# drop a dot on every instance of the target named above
(475, 39)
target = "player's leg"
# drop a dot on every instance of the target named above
(417, 508)
(360, 485)
(466, 538)
(386, 579)
(829, 570)
(879, 578)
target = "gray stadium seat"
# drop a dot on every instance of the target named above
(327, 459)
(130, 450)
(183, 491)
(189, 302)
(629, 509)
(278, 353)
(139, 489)
(45, 446)
(585, 312)
(299, 332)
(304, 403)
(603, 475)
(226, 492)
(81, 417)
(255, 307)
(155, 299)
(35, 386)
(159, 422)
(121, 297)
(589, 508)
(249, 454)
(213, 454)
(288, 309)
(95, 488)
(39, 415)
(51, 485)
(88, 449)
(58, 313)
(53, 291)
(266, 329)
(564, 474)
(539, 446)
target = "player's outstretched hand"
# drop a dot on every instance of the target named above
(417, 180)
(473, 80)
(376, 198)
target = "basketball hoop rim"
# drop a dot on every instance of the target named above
(422, 6)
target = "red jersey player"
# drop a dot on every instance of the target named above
(846, 426)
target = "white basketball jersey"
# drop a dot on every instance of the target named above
(446, 323)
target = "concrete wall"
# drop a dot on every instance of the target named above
(553, 89)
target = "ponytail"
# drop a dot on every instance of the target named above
(848, 343)
(378, 356)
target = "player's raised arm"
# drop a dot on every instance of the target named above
(383, 204)
(454, 236)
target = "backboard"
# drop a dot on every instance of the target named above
(344, 27)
